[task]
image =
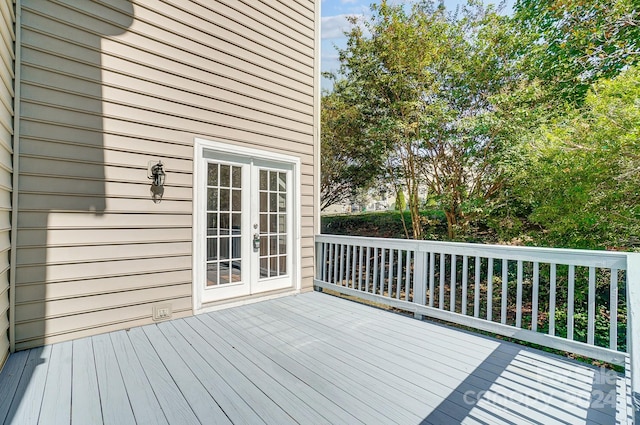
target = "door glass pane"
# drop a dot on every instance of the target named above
(236, 200)
(223, 252)
(264, 246)
(264, 267)
(224, 248)
(212, 199)
(236, 219)
(224, 272)
(273, 266)
(263, 202)
(273, 202)
(236, 177)
(212, 177)
(212, 274)
(212, 249)
(236, 253)
(236, 276)
(273, 223)
(224, 199)
(212, 224)
(263, 179)
(224, 224)
(273, 181)
(283, 264)
(264, 220)
(225, 176)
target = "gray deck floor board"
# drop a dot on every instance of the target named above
(116, 408)
(277, 383)
(145, 405)
(56, 401)
(85, 396)
(308, 359)
(430, 380)
(195, 394)
(537, 363)
(167, 387)
(10, 378)
(359, 366)
(235, 407)
(222, 359)
(26, 409)
(353, 375)
(287, 373)
(332, 383)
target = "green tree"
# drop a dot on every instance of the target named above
(584, 177)
(433, 87)
(350, 162)
(574, 43)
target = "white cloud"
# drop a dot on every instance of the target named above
(334, 26)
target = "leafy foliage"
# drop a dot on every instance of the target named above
(349, 162)
(518, 126)
(574, 43)
(434, 88)
(584, 176)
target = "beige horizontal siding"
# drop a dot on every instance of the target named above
(7, 58)
(50, 309)
(102, 285)
(107, 87)
(52, 330)
(77, 220)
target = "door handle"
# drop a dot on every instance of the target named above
(256, 241)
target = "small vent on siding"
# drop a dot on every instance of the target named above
(162, 312)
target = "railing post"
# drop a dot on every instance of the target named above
(633, 328)
(419, 279)
(319, 246)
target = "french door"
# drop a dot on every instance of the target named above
(246, 226)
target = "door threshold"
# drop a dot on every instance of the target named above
(248, 299)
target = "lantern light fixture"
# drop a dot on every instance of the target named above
(156, 173)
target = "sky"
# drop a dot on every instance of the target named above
(334, 23)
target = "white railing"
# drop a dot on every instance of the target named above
(584, 302)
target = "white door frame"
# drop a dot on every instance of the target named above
(199, 200)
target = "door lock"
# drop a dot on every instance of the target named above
(256, 241)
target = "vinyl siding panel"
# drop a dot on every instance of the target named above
(7, 58)
(107, 87)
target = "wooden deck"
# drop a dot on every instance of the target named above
(308, 359)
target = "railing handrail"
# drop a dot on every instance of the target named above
(576, 257)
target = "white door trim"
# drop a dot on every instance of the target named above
(199, 198)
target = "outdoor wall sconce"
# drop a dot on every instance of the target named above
(155, 172)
